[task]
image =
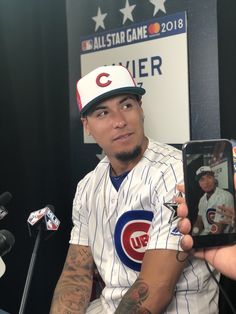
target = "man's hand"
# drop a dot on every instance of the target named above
(227, 213)
(222, 258)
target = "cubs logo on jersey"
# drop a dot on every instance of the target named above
(210, 215)
(131, 237)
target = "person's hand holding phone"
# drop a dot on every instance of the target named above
(209, 192)
(222, 258)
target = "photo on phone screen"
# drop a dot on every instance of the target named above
(209, 191)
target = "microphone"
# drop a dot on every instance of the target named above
(7, 241)
(44, 216)
(4, 199)
(2, 267)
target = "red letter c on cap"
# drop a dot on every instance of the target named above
(98, 80)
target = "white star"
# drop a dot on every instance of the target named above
(99, 19)
(127, 11)
(159, 5)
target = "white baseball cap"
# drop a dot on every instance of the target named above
(203, 170)
(104, 82)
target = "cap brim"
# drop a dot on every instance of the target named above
(198, 176)
(124, 90)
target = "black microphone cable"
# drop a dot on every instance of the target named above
(221, 289)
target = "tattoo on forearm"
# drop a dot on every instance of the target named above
(133, 299)
(73, 291)
(65, 302)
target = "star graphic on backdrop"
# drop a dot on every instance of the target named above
(173, 207)
(127, 12)
(159, 5)
(99, 19)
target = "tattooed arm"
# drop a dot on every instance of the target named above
(153, 290)
(73, 290)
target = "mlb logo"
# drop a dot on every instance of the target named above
(87, 45)
(176, 232)
(36, 216)
(52, 222)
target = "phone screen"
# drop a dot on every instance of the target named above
(209, 191)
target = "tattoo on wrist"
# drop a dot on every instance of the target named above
(132, 302)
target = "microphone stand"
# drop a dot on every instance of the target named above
(30, 271)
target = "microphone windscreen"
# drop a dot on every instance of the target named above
(2, 268)
(5, 198)
(7, 240)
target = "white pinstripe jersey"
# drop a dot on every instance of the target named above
(104, 218)
(207, 207)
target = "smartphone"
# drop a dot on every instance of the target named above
(209, 191)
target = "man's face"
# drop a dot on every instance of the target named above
(207, 183)
(116, 124)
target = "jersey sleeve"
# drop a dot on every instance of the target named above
(164, 233)
(201, 208)
(229, 200)
(79, 232)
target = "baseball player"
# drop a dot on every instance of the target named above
(211, 218)
(124, 216)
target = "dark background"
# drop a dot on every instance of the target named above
(37, 166)
(35, 143)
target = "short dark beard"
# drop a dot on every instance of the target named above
(129, 156)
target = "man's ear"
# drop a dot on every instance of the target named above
(85, 125)
(140, 104)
